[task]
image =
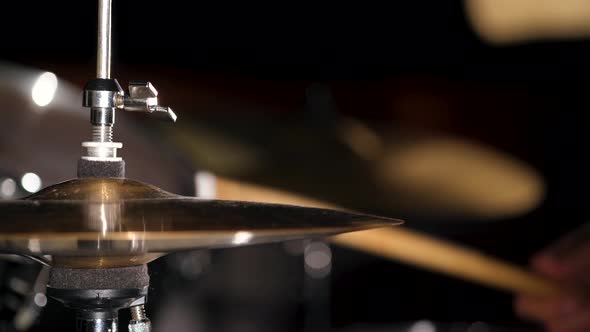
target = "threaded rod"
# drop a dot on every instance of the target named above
(138, 313)
(102, 133)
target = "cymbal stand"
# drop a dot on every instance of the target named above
(103, 95)
(98, 294)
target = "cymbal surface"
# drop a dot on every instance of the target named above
(119, 222)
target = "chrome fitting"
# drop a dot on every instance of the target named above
(139, 321)
(102, 151)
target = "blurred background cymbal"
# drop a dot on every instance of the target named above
(425, 176)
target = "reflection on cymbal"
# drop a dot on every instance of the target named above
(107, 222)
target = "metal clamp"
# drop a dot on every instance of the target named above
(143, 97)
(103, 96)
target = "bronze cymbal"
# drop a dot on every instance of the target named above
(90, 223)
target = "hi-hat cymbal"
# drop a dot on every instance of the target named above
(91, 223)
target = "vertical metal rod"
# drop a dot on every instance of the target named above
(102, 131)
(97, 321)
(103, 60)
(97, 325)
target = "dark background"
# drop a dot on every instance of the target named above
(417, 64)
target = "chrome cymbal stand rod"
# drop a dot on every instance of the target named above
(103, 59)
(103, 118)
(96, 321)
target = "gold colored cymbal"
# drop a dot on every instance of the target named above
(118, 222)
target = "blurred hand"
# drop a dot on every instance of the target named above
(567, 262)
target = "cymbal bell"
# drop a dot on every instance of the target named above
(107, 222)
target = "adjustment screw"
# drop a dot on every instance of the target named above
(139, 321)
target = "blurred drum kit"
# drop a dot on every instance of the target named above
(86, 242)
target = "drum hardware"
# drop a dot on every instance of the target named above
(22, 289)
(98, 294)
(104, 94)
(22, 282)
(99, 231)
